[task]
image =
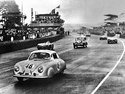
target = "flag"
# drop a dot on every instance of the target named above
(58, 6)
(31, 12)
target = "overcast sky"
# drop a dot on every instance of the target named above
(75, 11)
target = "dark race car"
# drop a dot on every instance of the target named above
(47, 46)
(80, 42)
(112, 40)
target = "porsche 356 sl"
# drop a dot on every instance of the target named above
(40, 64)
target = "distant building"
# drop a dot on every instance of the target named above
(47, 22)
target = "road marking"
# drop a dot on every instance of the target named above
(105, 78)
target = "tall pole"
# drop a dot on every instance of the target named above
(31, 15)
(22, 12)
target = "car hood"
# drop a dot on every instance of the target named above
(35, 63)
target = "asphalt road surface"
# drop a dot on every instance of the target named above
(86, 67)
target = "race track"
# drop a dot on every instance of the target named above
(86, 67)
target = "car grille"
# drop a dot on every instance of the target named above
(26, 73)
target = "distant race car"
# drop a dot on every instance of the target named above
(103, 37)
(88, 35)
(112, 40)
(47, 45)
(40, 64)
(80, 42)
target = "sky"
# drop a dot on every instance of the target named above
(75, 11)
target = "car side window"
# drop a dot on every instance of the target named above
(55, 56)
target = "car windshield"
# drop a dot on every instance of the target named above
(48, 42)
(39, 55)
(80, 39)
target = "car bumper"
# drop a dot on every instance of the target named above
(27, 76)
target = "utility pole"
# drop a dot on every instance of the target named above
(31, 15)
(22, 14)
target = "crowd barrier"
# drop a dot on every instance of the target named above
(23, 44)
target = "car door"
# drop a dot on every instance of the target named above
(57, 61)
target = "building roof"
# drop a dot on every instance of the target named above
(47, 15)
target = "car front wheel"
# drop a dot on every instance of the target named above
(74, 46)
(86, 46)
(50, 72)
(20, 79)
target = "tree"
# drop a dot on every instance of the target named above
(11, 14)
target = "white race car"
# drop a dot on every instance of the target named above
(47, 45)
(112, 40)
(103, 37)
(40, 64)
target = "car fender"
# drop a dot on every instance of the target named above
(50, 72)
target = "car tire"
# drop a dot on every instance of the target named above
(20, 79)
(50, 72)
(108, 42)
(74, 46)
(83, 46)
(86, 46)
(62, 71)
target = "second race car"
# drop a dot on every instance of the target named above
(47, 45)
(112, 40)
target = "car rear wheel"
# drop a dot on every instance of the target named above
(116, 41)
(86, 46)
(108, 42)
(62, 71)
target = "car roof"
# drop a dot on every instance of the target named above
(46, 51)
(112, 38)
(81, 36)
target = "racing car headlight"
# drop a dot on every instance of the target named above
(16, 68)
(40, 69)
(31, 66)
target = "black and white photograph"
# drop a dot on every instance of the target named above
(62, 46)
